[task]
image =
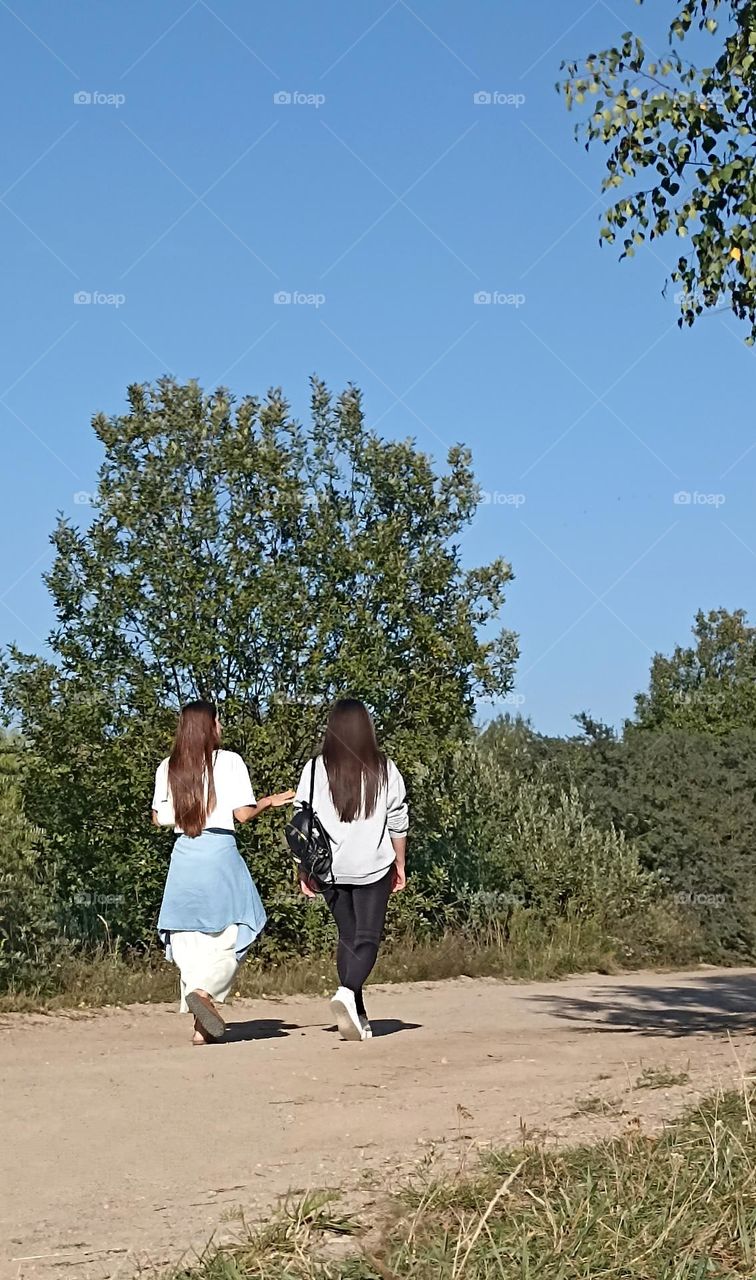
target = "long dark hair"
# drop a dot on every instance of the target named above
(356, 767)
(190, 766)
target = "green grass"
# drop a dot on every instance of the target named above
(679, 1206)
(106, 977)
(532, 948)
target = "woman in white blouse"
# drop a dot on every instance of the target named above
(211, 911)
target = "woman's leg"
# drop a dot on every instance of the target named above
(360, 913)
(340, 903)
(370, 904)
(207, 962)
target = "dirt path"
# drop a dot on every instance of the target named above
(122, 1145)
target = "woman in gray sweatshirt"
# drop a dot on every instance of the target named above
(360, 799)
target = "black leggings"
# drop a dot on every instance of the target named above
(359, 911)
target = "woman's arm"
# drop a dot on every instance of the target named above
(399, 880)
(398, 823)
(250, 811)
(167, 819)
(162, 807)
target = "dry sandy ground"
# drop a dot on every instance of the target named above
(122, 1145)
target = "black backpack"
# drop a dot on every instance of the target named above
(309, 841)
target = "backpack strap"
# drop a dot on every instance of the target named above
(312, 797)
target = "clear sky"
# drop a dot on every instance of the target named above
(184, 195)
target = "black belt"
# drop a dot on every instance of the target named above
(220, 831)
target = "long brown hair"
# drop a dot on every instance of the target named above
(190, 766)
(356, 767)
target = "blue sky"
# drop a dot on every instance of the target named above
(186, 197)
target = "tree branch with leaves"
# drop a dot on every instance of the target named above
(691, 130)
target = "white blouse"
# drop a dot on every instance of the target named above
(233, 790)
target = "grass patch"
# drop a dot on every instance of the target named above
(102, 978)
(531, 947)
(679, 1206)
(594, 1106)
(660, 1078)
(108, 977)
(281, 1243)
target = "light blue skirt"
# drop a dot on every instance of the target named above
(208, 888)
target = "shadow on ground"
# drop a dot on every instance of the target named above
(392, 1026)
(383, 1027)
(707, 1005)
(275, 1028)
(258, 1029)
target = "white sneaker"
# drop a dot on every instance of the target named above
(367, 1030)
(347, 1017)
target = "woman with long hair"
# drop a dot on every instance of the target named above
(360, 798)
(211, 911)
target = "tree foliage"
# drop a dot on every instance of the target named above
(681, 144)
(709, 687)
(680, 782)
(686, 803)
(239, 555)
(28, 922)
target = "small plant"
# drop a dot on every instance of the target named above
(284, 1246)
(594, 1106)
(660, 1078)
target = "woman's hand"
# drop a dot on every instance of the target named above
(398, 877)
(250, 811)
(306, 887)
(280, 799)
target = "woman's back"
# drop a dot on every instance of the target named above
(233, 790)
(362, 848)
(359, 798)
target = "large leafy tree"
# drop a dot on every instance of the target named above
(681, 781)
(681, 149)
(708, 687)
(239, 555)
(686, 802)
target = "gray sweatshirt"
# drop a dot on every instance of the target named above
(362, 849)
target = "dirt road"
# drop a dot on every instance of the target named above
(122, 1145)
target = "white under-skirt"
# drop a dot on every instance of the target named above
(206, 962)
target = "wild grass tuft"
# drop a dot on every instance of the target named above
(675, 1206)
